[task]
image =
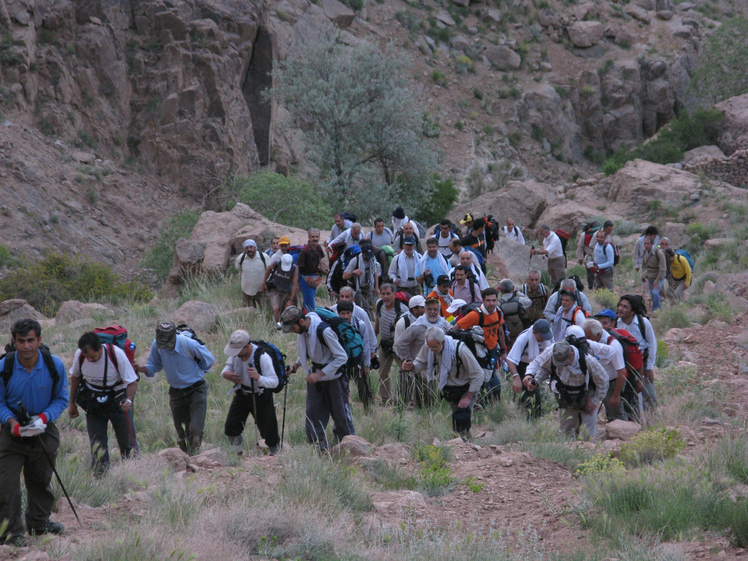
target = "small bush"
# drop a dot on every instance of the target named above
(601, 464)
(439, 78)
(477, 94)
(651, 445)
(436, 476)
(606, 298)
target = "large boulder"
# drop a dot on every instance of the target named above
(340, 14)
(15, 309)
(585, 34)
(702, 153)
(639, 182)
(73, 310)
(524, 201)
(567, 215)
(735, 126)
(622, 430)
(511, 259)
(200, 316)
(502, 57)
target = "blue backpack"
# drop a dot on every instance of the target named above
(279, 362)
(349, 254)
(349, 337)
(684, 253)
(479, 257)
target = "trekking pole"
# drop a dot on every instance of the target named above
(254, 414)
(24, 419)
(285, 395)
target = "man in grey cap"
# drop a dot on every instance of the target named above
(251, 265)
(526, 348)
(578, 381)
(250, 368)
(185, 361)
(326, 380)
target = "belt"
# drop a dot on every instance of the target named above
(192, 386)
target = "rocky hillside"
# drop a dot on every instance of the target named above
(117, 114)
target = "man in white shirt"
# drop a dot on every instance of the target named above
(554, 250)
(445, 236)
(251, 266)
(629, 320)
(251, 369)
(106, 372)
(526, 348)
(341, 224)
(351, 236)
(511, 232)
(403, 267)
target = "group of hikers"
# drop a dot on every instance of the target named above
(431, 314)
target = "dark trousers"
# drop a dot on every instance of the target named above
(325, 400)
(188, 410)
(239, 411)
(96, 425)
(530, 400)
(491, 390)
(27, 455)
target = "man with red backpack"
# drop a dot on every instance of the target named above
(107, 383)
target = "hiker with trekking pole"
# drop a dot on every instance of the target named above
(257, 370)
(103, 383)
(33, 394)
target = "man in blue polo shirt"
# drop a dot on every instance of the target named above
(185, 362)
(35, 385)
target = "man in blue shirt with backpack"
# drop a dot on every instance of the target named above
(185, 360)
(33, 385)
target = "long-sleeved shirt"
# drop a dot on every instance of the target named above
(403, 268)
(117, 377)
(647, 339)
(187, 364)
(336, 230)
(523, 349)
(604, 256)
(369, 269)
(469, 291)
(540, 370)
(329, 356)
(252, 271)
(654, 265)
(638, 253)
(610, 355)
(515, 234)
(680, 269)
(268, 376)
(409, 344)
(347, 237)
(466, 370)
(33, 389)
(436, 266)
(585, 247)
(550, 307)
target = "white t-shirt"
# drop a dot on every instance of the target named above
(93, 372)
(610, 356)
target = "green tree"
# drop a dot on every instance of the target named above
(724, 69)
(363, 125)
(287, 200)
(442, 200)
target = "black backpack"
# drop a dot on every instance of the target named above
(279, 363)
(10, 355)
(466, 337)
(574, 397)
(514, 315)
(187, 331)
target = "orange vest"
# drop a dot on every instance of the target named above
(490, 324)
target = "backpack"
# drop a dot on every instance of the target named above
(454, 231)
(117, 335)
(389, 252)
(564, 237)
(187, 331)
(492, 231)
(589, 231)
(632, 354)
(616, 253)
(574, 397)
(294, 251)
(348, 216)
(684, 253)
(349, 337)
(574, 314)
(472, 338)
(514, 315)
(400, 309)
(480, 258)
(10, 356)
(260, 253)
(578, 297)
(279, 363)
(350, 253)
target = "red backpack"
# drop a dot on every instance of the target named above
(117, 335)
(632, 354)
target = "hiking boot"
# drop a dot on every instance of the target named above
(48, 527)
(275, 449)
(16, 540)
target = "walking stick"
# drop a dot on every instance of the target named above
(24, 419)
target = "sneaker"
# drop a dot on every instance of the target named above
(48, 527)
(16, 540)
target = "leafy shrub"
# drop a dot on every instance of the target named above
(58, 277)
(160, 257)
(663, 354)
(601, 464)
(435, 475)
(439, 78)
(685, 132)
(651, 445)
(287, 200)
(441, 202)
(6, 259)
(606, 298)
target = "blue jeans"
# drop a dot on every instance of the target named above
(656, 304)
(307, 292)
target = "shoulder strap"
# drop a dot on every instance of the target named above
(50, 362)
(262, 256)
(241, 261)
(10, 359)
(113, 356)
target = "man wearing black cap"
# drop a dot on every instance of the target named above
(252, 372)
(403, 267)
(579, 383)
(326, 380)
(185, 362)
(527, 347)
(364, 270)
